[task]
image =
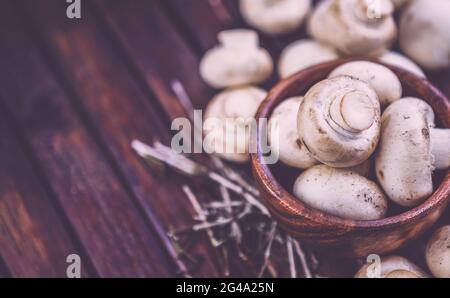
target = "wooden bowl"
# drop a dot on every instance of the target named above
(331, 234)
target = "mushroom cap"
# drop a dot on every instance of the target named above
(275, 16)
(353, 27)
(385, 83)
(339, 121)
(402, 274)
(403, 161)
(283, 135)
(341, 193)
(425, 33)
(238, 60)
(302, 54)
(402, 61)
(438, 253)
(228, 118)
(391, 265)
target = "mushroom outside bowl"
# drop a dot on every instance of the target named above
(331, 234)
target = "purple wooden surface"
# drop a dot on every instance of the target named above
(75, 93)
(116, 238)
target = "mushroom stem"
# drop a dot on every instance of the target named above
(440, 148)
(354, 112)
(369, 10)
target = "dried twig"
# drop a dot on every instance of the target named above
(197, 207)
(234, 176)
(268, 249)
(291, 259)
(222, 219)
(191, 168)
(207, 225)
(302, 257)
(314, 261)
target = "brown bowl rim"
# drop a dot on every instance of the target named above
(294, 207)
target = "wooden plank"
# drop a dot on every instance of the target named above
(4, 271)
(158, 52)
(118, 109)
(102, 213)
(34, 239)
(166, 65)
(190, 18)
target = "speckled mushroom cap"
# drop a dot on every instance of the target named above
(283, 136)
(340, 192)
(404, 161)
(383, 80)
(339, 121)
(425, 33)
(393, 266)
(302, 54)
(228, 121)
(438, 253)
(353, 27)
(275, 16)
(238, 60)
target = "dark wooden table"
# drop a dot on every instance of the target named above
(73, 95)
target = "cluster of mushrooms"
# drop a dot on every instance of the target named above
(352, 123)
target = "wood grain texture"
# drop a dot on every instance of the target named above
(157, 51)
(102, 83)
(190, 18)
(4, 271)
(33, 237)
(164, 61)
(116, 237)
(344, 237)
(79, 92)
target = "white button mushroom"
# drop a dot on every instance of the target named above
(275, 16)
(401, 61)
(283, 135)
(229, 120)
(438, 253)
(339, 121)
(392, 267)
(354, 27)
(341, 193)
(385, 83)
(425, 33)
(403, 274)
(302, 54)
(238, 60)
(409, 151)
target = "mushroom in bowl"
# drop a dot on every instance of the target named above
(335, 234)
